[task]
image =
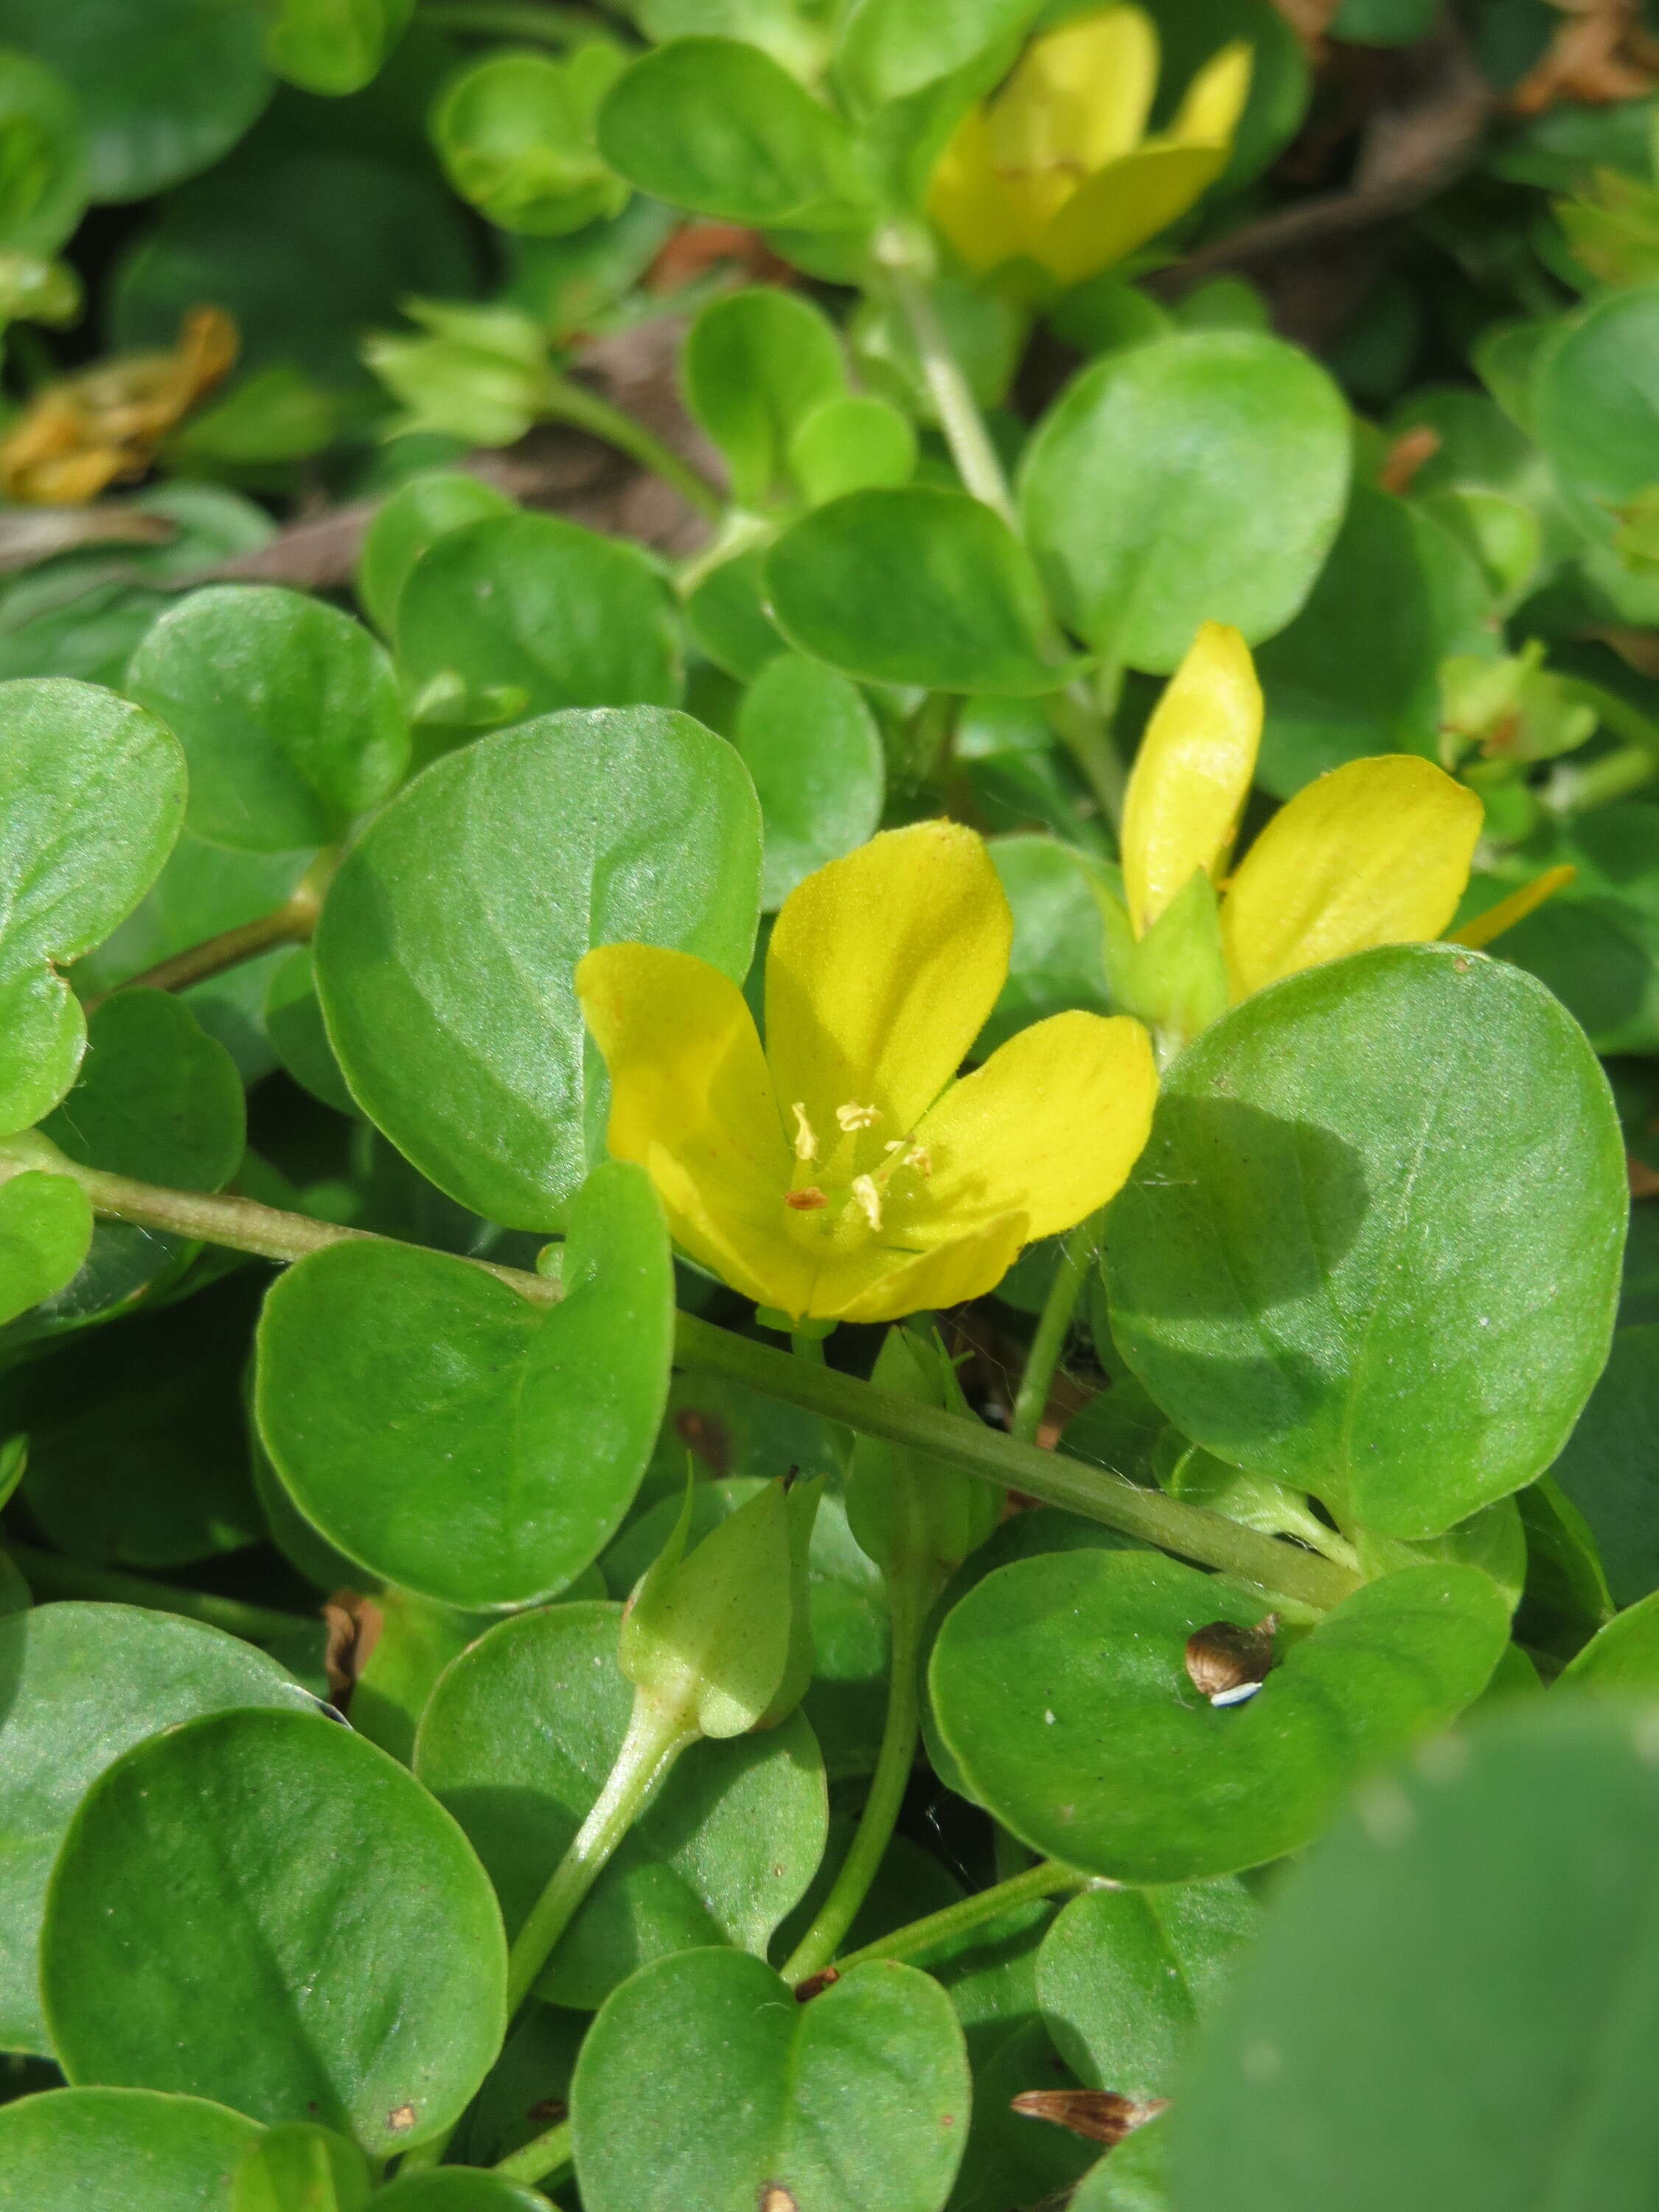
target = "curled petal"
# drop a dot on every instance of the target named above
(1192, 775)
(1079, 96)
(1214, 100)
(1376, 852)
(1124, 204)
(893, 1286)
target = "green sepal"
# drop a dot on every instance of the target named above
(1174, 978)
(722, 1638)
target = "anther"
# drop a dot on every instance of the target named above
(806, 1144)
(853, 1117)
(864, 1190)
(809, 1201)
(920, 1160)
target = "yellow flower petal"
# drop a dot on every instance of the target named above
(1079, 96)
(1479, 931)
(1208, 114)
(1124, 204)
(950, 1275)
(712, 1225)
(1050, 1128)
(1192, 775)
(687, 1074)
(1376, 852)
(881, 971)
(971, 204)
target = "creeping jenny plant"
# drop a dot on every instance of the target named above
(550, 1741)
(841, 1171)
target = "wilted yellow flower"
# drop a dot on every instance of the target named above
(842, 1171)
(1056, 168)
(1378, 851)
(103, 426)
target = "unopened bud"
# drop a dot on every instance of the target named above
(722, 1637)
(481, 373)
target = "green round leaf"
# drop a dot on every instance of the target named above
(1417, 1333)
(45, 1233)
(334, 47)
(298, 1036)
(165, 86)
(1609, 1466)
(1194, 479)
(517, 1742)
(854, 444)
(42, 159)
(725, 611)
(459, 2188)
(1594, 410)
(92, 794)
(1124, 1975)
(1623, 1657)
(916, 586)
(157, 1098)
(84, 1684)
(717, 126)
(635, 825)
(520, 1431)
(415, 516)
(1509, 1873)
(266, 1908)
(542, 613)
(1055, 962)
(515, 134)
(814, 749)
(119, 2150)
(702, 2081)
(1059, 1684)
(287, 709)
(756, 365)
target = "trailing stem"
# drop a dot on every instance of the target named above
(291, 923)
(1192, 1532)
(908, 1605)
(1053, 1327)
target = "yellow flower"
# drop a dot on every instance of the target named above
(844, 1172)
(1378, 851)
(1056, 168)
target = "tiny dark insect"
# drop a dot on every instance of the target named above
(1229, 1663)
(1097, 2115)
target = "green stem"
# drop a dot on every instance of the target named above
(908, 1603)
(62, 1577)
(1573, 789)
(1053, 1326)
(1192, 1532)
(567, 401)
(511, 19)
(651, 1745)
(544, 2160)
(918, 1937)
(975, 457)
(291, 923)
(1080, 721)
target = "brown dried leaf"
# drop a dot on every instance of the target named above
(354, 1624)
(1601, 53)
(1097, 2115)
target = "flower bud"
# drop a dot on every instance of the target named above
(917, 1518)
(722, 1638)
(1174, 977)
(481, 373)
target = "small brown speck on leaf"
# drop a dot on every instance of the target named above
(1224, 1660)
(815, 1984)
(775, 2197)
(1097, 2115)
(400, 2119)
(548, 2111)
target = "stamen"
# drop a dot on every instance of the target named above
(864, 1190)
(806, 1144)
(894, 1145)
(853, 1117)
(920, 1160)
(809, 1201)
